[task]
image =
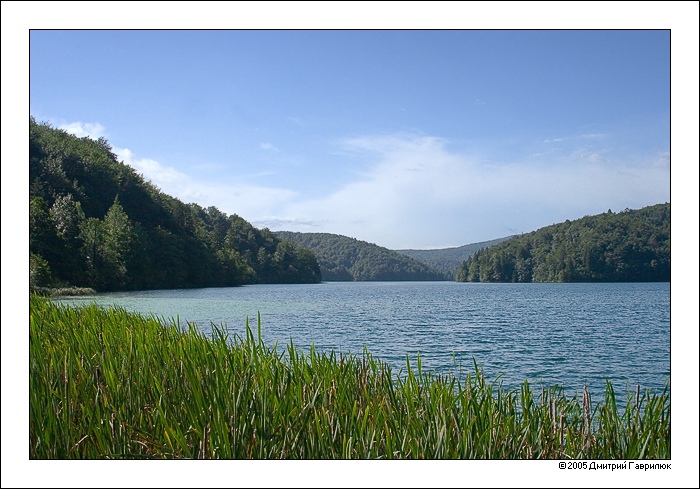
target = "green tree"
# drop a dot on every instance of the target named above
(97, 223)
(633, 245)
(118, 238)
(92, 236)
(106, 248)
(42, 234)
(39, 272)
(67, 215)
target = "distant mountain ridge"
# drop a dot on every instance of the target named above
(448, 260)
(342, 258)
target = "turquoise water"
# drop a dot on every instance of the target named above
(566, 334)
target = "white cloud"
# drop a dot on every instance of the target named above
(239, 198)
(412, 191)
(269, 147)
(152, 170)
(83, 129)
(418, 194)
(284, 224)
(544, 153)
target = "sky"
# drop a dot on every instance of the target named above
(403, 138)
(408, 139)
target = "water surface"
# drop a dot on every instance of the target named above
(566, 334)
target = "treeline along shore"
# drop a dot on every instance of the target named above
(95, 224)
(109, 384)
(627, 246)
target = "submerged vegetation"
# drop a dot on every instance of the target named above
(108, 384)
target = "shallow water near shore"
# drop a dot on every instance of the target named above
(566, 334)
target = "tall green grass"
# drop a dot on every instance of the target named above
(108, 384)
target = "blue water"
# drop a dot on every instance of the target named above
(566, 334)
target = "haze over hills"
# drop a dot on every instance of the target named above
(448, 260)
(628, 246)
(342, 258)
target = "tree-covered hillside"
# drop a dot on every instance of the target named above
(629, 246)
(448, 260)
(348, 259)
(94, 222)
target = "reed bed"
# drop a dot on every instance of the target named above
(108, 384)
(62, 291)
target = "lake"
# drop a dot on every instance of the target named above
(566, 334)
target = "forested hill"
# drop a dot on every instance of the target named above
(448, 260)
(347, 259)
(629, 246)
(94, 222)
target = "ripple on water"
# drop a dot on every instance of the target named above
(567, 334)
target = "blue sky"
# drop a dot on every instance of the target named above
(404, 138)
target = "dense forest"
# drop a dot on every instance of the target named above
(629, 246)
(347, 259)
(94, 222)
(448, 260)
